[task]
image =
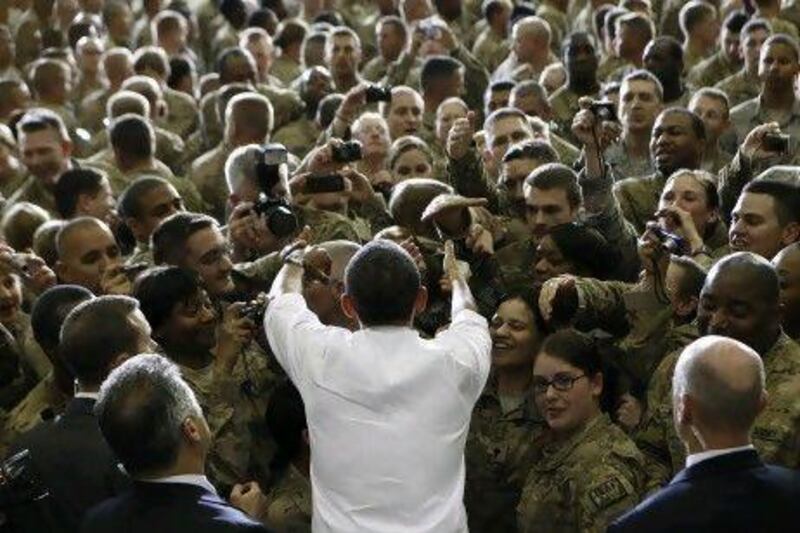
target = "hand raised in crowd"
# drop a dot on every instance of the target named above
(115, 280)
(249, 232)
(591, 130)
(233, 334)
(480, 240)
(357, 185)
(558, 295)
(35, 274)
(753, 148)
(680, 221)
(250, 499)
(460, 137)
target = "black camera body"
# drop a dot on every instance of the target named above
(604, 111)
(376, 93)
(19, 483)
(347, 152)
(279, 216)
(669, 241)
(776, 142)
(255, 309)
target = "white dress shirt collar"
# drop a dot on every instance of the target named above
(710, 454)
(88, 395)
(198, 480)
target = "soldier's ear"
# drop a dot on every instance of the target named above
(790, 234)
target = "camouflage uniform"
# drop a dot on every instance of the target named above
(491, 49)
(406, 70)
(609, 65)
(170, 149)
(623, 165)
(34, 191)
(718, 160)
(691, 59)
(638, 198)
(780, 25)
(289, 507)
(182, 117)
(776, 430)
(43, 402)
(375, 69)
(299, 136)
(651, 332)
(712, 70)
(567, 152)
(559, 25)
(496, 443)
(584, 483)
(740, 87)
(208, 176)
(234, 405)
(565, 105)
(92, 110)
(286, 69)
(141, 254)
(13, 182)
(749, 114)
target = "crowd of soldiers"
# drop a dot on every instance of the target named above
(618, 179)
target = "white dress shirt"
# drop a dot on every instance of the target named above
(388, 414)
(695, 458)
(198, 480)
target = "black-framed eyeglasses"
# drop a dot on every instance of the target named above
(560, 382)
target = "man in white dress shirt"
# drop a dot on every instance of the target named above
(388, 412)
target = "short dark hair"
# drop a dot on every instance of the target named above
(71, 185)
(557, 176)
(437, 68)
(785, 195)
(383, 282)
(128, 204)
(169, 238)
(285, 420)
(50, 311)
(160, 289)
(537, 149)
(95, 333)
(151, 58)
(40, 119)
(691, 283)
(698, 126)
(179, 68)
(133, 136)
(501, 86)
(694, 12)
(140, 410)
(735, 21)
(610, 20)
(581, 351)
(230, 54)
(585, 248)
(715, 94)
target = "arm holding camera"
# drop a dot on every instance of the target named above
(755, 149)
(596, 127)
(353, 103)
(464, 166)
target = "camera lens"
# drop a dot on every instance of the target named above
(282, 221)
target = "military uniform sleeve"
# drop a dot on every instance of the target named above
(605, 215)
(604, 494)
(600, 301)
(732, 179)
(469, 179)
(652, 435)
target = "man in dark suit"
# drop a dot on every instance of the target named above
(151, 419)
(69, 454)
(718, 391)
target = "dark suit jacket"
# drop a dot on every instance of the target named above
(74, 463)
(168, 507)
(732, 493)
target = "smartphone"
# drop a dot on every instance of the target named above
(325, 183)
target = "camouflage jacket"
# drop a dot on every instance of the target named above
(583, 483)
(776, 433)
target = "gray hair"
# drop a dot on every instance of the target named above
(726, 380)
(241, 166)
(141, 408)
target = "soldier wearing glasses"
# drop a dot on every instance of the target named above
(588, 471)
